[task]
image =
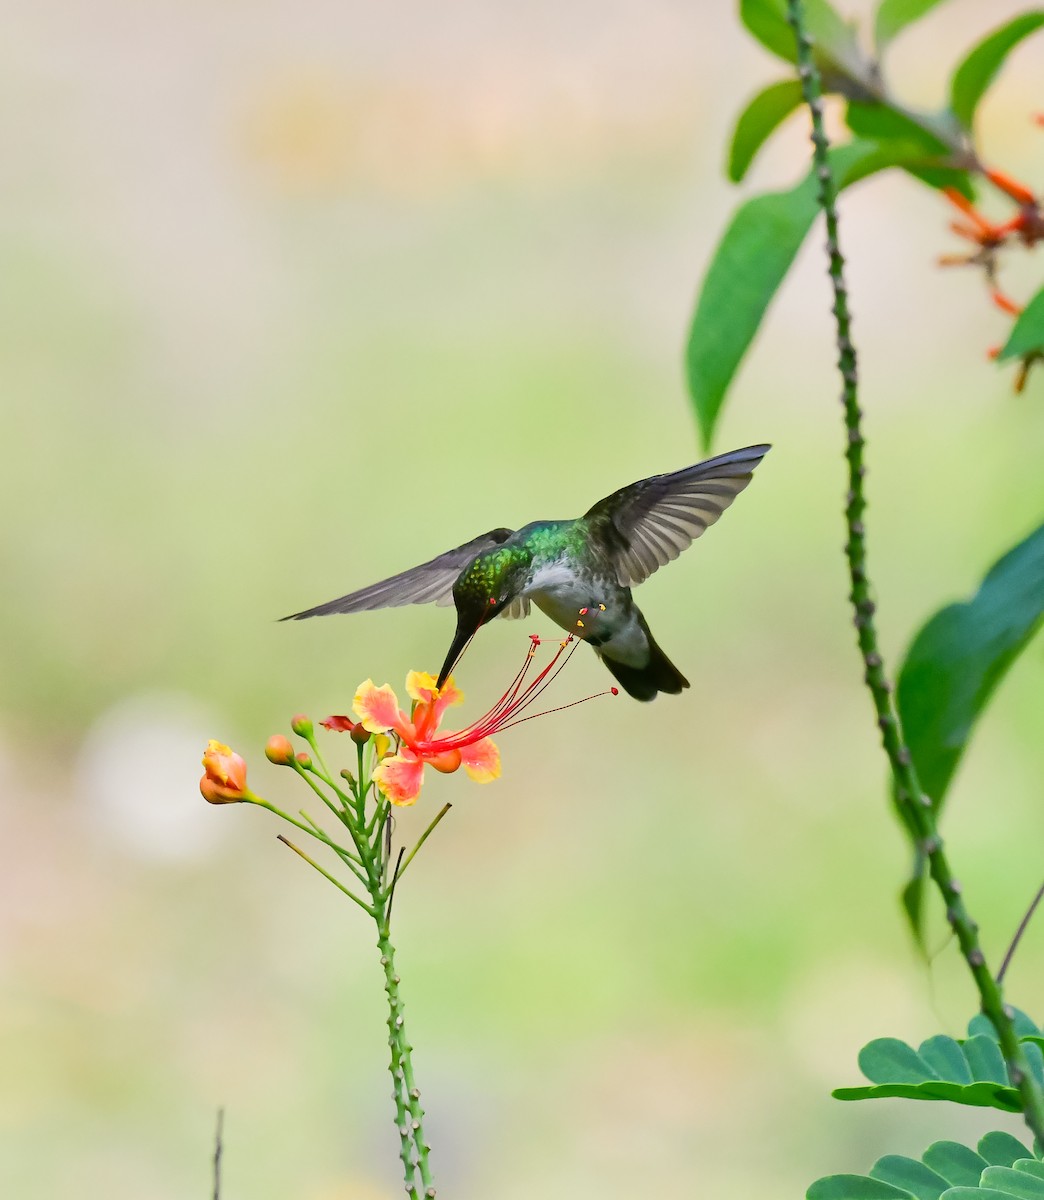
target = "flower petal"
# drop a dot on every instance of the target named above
(481, 760)
(399, 777)
(338, 723)
(421, 686)
(376, 707)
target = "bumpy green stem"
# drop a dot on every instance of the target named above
(409, 1115)
(914, 804)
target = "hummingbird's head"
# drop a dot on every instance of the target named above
(482, 591)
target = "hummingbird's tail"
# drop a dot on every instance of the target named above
(644, 683)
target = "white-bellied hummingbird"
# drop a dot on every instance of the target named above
(580, 572)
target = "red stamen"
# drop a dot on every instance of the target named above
(507, 711)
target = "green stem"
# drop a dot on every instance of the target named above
(409, 1114)
(914, 804)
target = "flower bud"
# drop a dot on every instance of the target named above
(214, 793)
(225, 778)
(446, 762)
(305, 760)
(359, 735)
(302, 725)
(278, 750)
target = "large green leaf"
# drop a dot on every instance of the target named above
(960, 656)
(854, 1187)
(1028, 335)
(893, 16)
(1002, 1169)
(750, 262)
(959, 1165)
(759, 119)
(928, 141)
(970, 1072)
(834, 41)
(979, 68)
(914, 1177)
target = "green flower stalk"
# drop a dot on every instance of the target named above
(392, 750)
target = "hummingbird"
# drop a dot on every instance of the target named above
(579, 573)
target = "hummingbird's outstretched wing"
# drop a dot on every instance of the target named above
(651, 522)
(430, 581)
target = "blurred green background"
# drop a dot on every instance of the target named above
(297, 295)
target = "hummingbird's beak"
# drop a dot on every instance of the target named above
(460, 641)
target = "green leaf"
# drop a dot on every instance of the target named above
(947, 1171)
(985, 1059)
(769, 108)
(974, 1193)
(833, 40)
(958, 1165)
(854, 1187)
(749, 264)
(907, 1173)
(882, 122)
(982, 1094)
(1013, 1183)
(893, 16)
(889, 1060)
(927, 144)
(1028, 335)
(978, 70)
(960, 656)
(1025, 1026)
(1001, 1149)
(946, 1059)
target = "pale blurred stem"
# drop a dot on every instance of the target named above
(915, 805)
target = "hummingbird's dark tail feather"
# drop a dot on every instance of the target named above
(644, 683)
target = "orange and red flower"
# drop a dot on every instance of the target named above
(399, 776)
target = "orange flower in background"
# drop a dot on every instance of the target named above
(399, 776)
(225, 778)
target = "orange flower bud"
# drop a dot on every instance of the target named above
(305, 760)
(301, 725)
(278, 750)
(447, 762)
(225, 778)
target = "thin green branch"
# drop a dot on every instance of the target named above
(313, 830)
(914, 804)
(423, 838)
(339, 813)
(326, 875)
(1006, 962)
(346, 856)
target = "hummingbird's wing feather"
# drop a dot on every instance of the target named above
(651, 522)
(431, 581)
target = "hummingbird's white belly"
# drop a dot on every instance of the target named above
(589, 612)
